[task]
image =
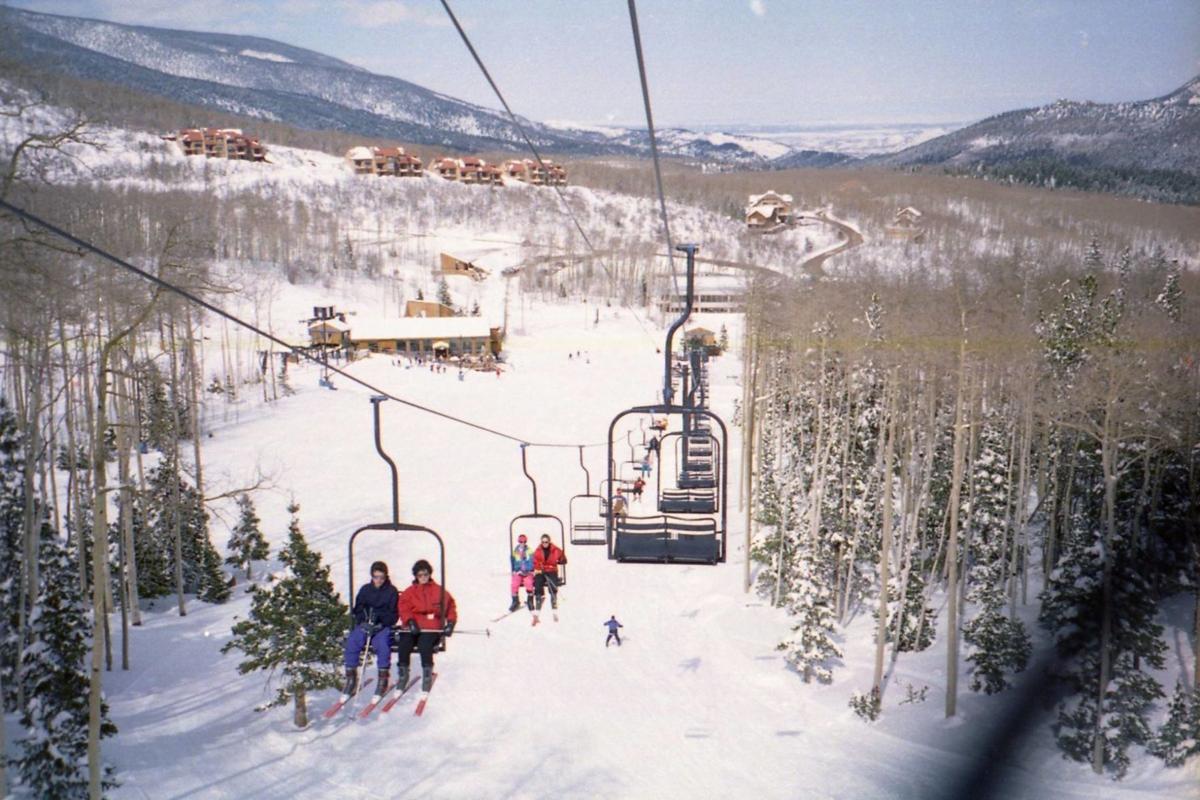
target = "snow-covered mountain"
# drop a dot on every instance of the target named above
(271, 80)
(1158, 134)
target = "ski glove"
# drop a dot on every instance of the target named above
(449, 628)
(414, 628)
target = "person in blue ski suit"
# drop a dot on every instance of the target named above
(374, 617)
(613, 627)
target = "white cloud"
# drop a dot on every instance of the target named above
(758, 8)
(385, 13)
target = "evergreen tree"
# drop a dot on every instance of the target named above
(475, 312)
(202, 573)
(12, 505)
(810, 648)
(246, 541)
(723, 338)
(1170, 299)
(52, 756)
(297, 626)
(1179, 737)
(150, 551)
(443, 295)
(998, 645)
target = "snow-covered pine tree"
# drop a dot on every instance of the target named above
(998, 645)
(12, 504)
(811, 649)
(723, 338)
(1179, 737)
(52, 755)
(202, 573)
(297, 626)
(1170, 299)
(443, 295)
(246, 542)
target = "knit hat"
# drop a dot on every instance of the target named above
(422, 564)
(379, 566)
(522, 539)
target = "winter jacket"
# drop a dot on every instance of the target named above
(522, 559)
(547, 559)
(376, 603)
(420, 602)
(613, 625)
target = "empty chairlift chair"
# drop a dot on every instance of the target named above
(586, 512)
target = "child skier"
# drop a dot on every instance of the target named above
(423, 621)
(613, 626)
(374, 616)
(638, 486)
(522, 573)
(545, 570)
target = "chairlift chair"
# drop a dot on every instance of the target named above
(396, 526)
(536, 515)
(591, 530)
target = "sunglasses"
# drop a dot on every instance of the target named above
(378, 575)
(423, 573)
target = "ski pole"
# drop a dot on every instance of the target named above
(470, 632)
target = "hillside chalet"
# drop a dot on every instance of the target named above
(389, 161)
(768, 209)
(906, 225)
(457, 266)
(227, 143)
(531, 172)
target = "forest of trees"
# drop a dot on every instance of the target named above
(1014, 437)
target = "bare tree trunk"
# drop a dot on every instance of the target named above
(956, 477)
(1020, 535)
(178, 470)
(194, 411)
(300, 715)
(1108, 444)
(99, 574)
(74, 492)
(886, 545)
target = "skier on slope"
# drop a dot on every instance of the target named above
(374, 616)
(545, 570)
(522, 573)
(613, 627)
(423, 622)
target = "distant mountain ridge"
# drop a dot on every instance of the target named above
(263, 78)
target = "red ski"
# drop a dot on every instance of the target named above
(377, 699)
(420, 709)
(390, 703)
(341, 702)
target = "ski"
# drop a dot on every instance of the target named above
(535, 619)
(375, 701)
(341, 702)
(505, 615)
(420, 709)
(396, 699)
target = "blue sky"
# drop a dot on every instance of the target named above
(770, 62)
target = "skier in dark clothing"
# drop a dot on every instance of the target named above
(427, 613)
(374, 616)
(613, 627)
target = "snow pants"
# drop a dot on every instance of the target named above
(540, 582)
(423, 644)
(613, 635)
(381, 641)
(519, 580)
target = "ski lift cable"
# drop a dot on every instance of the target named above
(533, 149)
(662, 202)
(192, 298)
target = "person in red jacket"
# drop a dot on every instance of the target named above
(427, 612)
(546, 559)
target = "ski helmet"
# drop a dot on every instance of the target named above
(422, 565)
(379, 566)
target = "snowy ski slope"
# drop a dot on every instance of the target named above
(696, 703)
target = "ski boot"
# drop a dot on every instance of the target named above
(515, 604)
(384, 682)
(402, 677)
(426, 678)
(351, 687)
(529, 602)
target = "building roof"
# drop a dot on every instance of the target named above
(359, 153)
(770, 196)
(329, 324)
(419, 328)
(909, 211)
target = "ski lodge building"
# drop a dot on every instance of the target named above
(227, 143)
(390, 161)
(768, 209)
(426, 308)
(715, 294)
(457, 266)
(430, 336)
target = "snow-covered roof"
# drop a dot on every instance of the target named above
(770, 196)
(360, 153)
(908, 211)
(329, 324)
(419, 328)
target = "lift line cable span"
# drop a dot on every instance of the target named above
(524, 135)
(185, 294)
